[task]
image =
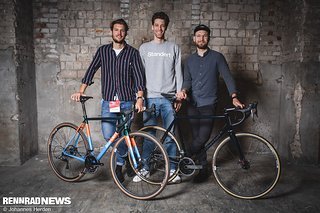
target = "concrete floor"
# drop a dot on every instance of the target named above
(297, 191)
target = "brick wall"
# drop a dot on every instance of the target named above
(70, 32)
(257, 38)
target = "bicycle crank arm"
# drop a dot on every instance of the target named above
(196, 167)
(98, 164)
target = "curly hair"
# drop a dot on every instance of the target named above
(120, 21)
(161, 15)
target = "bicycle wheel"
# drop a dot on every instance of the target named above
(251, 178)
(65, 144)
(157, 164)
(170, 143)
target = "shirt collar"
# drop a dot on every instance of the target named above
(124, 47)
(206, 53)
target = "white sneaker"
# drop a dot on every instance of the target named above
(176, 179)
(142, 172)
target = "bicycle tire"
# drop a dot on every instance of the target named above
(65, 167)
(158, 163)
(158, 132)
(248, 179)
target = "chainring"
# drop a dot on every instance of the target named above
(184, 164)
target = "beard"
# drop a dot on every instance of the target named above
(202, 46)
(118, 41)
(159, 35)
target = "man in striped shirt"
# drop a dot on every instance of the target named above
(122, 80)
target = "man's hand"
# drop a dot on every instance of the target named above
(177, 105)
(181, 95)
(139, 105)
(237, 103)
(76, 96)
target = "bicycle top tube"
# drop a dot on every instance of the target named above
(251, 109)
(120, 115)
(125, 116)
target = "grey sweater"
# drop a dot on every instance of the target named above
(162, 63)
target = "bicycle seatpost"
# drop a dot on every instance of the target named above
(84, 112)
(83, 99)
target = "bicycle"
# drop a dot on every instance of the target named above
(71, 154)
(245, 165)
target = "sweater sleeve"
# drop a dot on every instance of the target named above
(178, 69)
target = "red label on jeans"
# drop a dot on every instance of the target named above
(114, 106)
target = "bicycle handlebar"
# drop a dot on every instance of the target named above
(251, 109)
(170, 97)
(129, 115)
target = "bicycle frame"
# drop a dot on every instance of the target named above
(122, 127)
(226, 129)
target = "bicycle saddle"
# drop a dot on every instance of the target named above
(85, 98)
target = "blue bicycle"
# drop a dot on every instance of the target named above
(71, 155)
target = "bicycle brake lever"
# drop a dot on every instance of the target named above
(254, 112)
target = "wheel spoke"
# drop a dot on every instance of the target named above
(64, 142)
(152, 171)
(252, 177)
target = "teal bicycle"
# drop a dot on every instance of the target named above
(71, 155)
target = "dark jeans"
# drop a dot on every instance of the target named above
(201, 130)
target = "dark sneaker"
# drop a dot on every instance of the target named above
(119, 173)
(130, 171)
(202, 176)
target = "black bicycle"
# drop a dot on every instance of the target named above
(245, 165)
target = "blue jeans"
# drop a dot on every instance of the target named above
(165, 110)
(109, 127)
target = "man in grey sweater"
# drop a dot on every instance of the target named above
(201, 77)
(162, 61)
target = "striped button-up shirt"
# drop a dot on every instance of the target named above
(122, 75)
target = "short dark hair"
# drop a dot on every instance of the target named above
(120, 21)
(201, 27)
(161, 15)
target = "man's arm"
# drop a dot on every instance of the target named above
(139, 79)
(228, 79)
(187, 82)
(235, 101)
(76, 96)
(178, 68)
(139, 101)
(87, 79)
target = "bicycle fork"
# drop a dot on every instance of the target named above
(242, 161)
(133, 150)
